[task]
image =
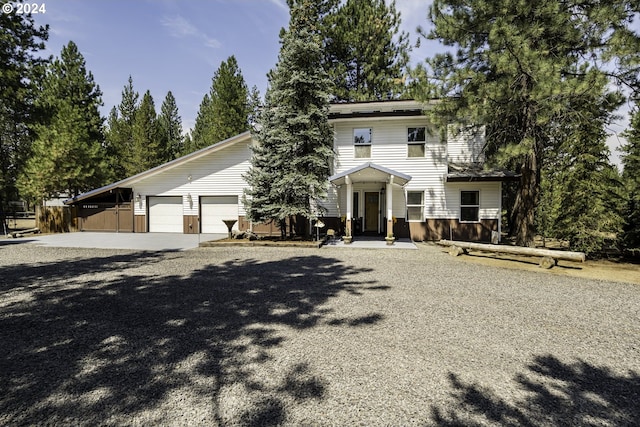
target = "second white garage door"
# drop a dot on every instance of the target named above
(213, 209)
(165, 214)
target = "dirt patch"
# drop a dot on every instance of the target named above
(599, 270)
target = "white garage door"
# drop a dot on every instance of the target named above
(165, 215)
(213, 209)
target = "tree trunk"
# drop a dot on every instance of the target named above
(525, 204)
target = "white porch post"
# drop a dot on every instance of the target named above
(389, 202)
(347, 179)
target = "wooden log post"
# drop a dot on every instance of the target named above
(456, 250)
(548, 262)
(549, 258)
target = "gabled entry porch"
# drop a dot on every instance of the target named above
(371, 192)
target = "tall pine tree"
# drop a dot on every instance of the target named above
(68, 156)
(521, 69)
(20, 70)
(588, 186)
(204, 122)
(366, 53)
(147, 150)
(229, 101)
(224, 110)
(170, 128)
(293, 150)
(119, 135)
(631, 177)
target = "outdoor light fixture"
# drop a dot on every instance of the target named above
(189, 198)
(138, 198)
(382, 190)
(189, 178)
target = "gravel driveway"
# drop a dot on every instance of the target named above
(290, 336)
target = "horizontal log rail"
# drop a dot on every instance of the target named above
(21, 233)
(549, 257)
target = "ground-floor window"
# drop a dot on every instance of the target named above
(469, 206)
(415, 205)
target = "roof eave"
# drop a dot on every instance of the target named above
(161, 168)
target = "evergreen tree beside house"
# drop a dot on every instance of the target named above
(20, 69)
(631, 178)
(223, 111)
(588, 186)
(119, 133)
(170, 129)
(293, 149)
(522, 70)
(68, 156)
(366, 54)
(148, 149)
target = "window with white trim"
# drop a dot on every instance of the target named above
(362, 143)
(469, 206)
(415, 206)
(416, 138)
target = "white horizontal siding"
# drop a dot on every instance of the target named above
(490, 194)
(465, 145)
(389, 149)
(217, 174)
(428, 174)
(331, 203)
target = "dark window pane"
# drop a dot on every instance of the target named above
(469, 214)
(416, 134)
(470, 198)
(356, 208)
(414, 198)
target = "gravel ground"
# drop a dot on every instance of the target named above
(290, 336)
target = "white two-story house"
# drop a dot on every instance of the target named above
(393, 173)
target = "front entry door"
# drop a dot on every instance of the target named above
(371, 207)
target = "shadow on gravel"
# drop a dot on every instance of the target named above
(24, 275)
(134, 348)
(576, 394)
(9, 242)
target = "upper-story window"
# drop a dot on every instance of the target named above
(416, 138)
(362, 143)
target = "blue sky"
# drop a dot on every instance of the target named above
(173, 45)
(177, 45)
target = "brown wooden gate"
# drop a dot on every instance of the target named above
(106, 217)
